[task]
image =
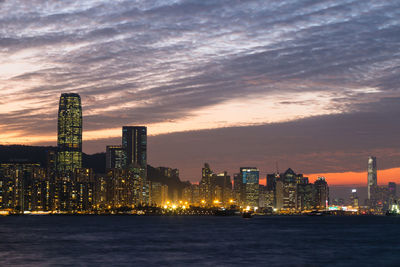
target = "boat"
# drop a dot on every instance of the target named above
(247, 214)
(315, 213)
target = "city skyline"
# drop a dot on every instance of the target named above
(310, 85)
(199, 132)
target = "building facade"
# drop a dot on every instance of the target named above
(250, 178)
(69, 140)
(114, 157)
(134, 145)
(372, 176)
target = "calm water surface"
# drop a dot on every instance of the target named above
(188, 241)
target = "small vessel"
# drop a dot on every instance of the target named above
(247, 214)
(315, 213)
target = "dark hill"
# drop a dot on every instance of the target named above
(38, 154)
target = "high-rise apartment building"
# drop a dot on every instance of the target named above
(69, 141)
(134, 144)
(114, 157)
(372, 176)
(207, 184)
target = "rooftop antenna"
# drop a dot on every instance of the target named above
(277, 169)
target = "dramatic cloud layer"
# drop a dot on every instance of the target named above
(310, 84)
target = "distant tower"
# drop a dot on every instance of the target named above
(250, 178)
(372, 176)
(134, 144)
(114, 157)
(69, 156)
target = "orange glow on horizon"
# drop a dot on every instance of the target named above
(357, 178)
(352, 178)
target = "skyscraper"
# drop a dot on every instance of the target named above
(207, 184)
(134, 144)
(69, 156)
(372, 176)
(114, 157)
(250, 178)
(322, 193)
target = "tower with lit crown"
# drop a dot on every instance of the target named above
(69, 141)
(372, 176)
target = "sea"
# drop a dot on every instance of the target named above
(199, 241)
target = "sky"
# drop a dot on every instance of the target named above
(311, 85)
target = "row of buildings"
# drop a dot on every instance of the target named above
(286, 191)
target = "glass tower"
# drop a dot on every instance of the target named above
(114, 157)
(250, 178)
(134, 144)
(372, 176)
(69, 139)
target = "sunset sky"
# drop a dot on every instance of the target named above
(311, 85)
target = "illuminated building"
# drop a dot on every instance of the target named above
(250, 177)
(24, 187)
(286, 195)
(238, 189)
(191, 194)
(207, 184)
(114, 157)
(305, 194)
(263, 196)
(372, 176)
(69, 139)
(101, 191)
(286, 190)
(159, 194)
(128, 187)
(134, 144)
(51, 168)
(271, 188)
(223, 181)
(187, 194)
(217, 194)
(322, 193)
(82, 196)
(354, 198)
(380, 198)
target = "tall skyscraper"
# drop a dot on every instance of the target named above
(372, 176)
(114, 157)
(322, 192)
(69, 156)
(134, 144)
(207, 184)
(250, 178)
